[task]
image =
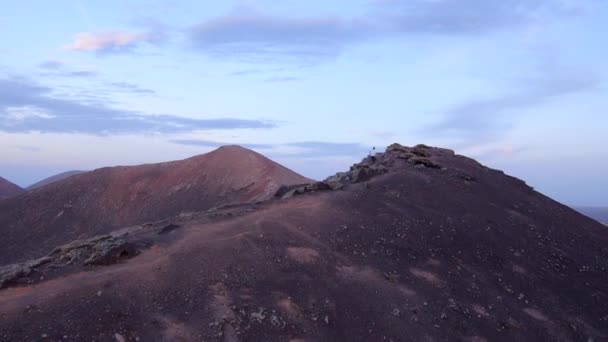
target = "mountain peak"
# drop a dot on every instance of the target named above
(99, 201)
(8, 189)
(233, 147)
(234, 150)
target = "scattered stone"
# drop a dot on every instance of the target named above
(168, 228)
(258, 316)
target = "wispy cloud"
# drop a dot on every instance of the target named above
(62, 69)
(465, 17)
(276, 79)
(257, 71)
(245, 72)
(487, 119)
(249, 33)
(111, 41)
(252, 35)
(26, 106)
(79, 73)
(52, 65)
(324, 148)
(132, 88)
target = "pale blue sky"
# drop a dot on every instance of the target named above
(518, 84)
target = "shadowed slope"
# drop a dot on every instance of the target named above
(417, 245)
(599, 214)
(8, 189)
(101, 200)
(54, 179)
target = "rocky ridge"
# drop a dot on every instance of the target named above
(396, 156)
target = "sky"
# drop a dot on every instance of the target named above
(519, 85)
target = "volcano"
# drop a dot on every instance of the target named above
(413, 244)
(102, 200)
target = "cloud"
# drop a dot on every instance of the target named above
(51, 65)
(485, 120)
(465, 17)
(251, 35)
(79, 73)
(58, 68)
(254, 34)
(16, 115)
(294, 149)
(281, 79)
(132, 88)
(245, 72)
(110, 42)
(26, 106)
(322, 148)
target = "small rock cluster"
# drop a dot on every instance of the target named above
(10, 273)
(99, 250)
(373, 165)
(103, 250)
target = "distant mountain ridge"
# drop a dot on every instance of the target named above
(54, 178)
(413, 244)
(599, 214)
(102, 200)
(9, 189)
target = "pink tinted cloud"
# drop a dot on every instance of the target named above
(107, 41)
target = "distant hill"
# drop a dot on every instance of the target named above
(599, 214)
(8, 189)
(53, 179)
(102, 200)
(413, 244)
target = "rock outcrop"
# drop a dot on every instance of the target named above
(396, 156)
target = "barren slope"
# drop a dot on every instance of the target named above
(53, 179)
(8, 189)
(424, 246)
(99, 201)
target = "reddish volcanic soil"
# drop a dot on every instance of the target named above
(54, 179)
(8, 189)
(424, 246)
(100, 201)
